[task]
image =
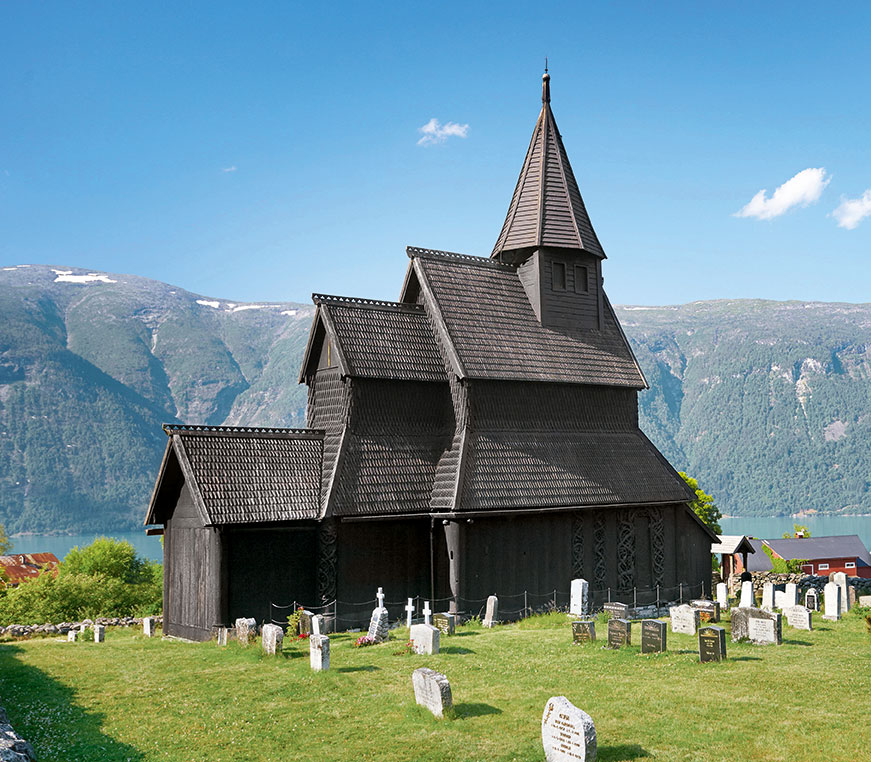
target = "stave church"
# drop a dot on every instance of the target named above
(479, 435)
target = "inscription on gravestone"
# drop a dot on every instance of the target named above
(617, 610)
(445, 622)
(712, 643)
(654, 635)
(432, 690)
(799, 617)
(709, 611)
(583, 632)
(619, 633)
(684, 619)
(491, 617)
(567, 733)
(761, 631)
(812, 599)
(580, 590)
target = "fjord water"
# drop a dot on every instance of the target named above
(60, 545)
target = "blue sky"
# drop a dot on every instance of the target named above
(262, 151)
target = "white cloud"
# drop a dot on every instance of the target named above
(228, 169)
(436, 132)
(853, 210)
(803, 189)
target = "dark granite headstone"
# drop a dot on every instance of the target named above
(712, 643)
(446, 623)
(709, 611)
(653, 636)
(583, 632)
(617, 610)
(619, 633)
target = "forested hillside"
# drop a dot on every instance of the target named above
(767, 403)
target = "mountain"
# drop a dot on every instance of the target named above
(768, 404)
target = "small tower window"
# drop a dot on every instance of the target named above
(559, 276)
(582, 284)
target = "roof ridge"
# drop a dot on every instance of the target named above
(414, 251)
(251, 431)
(351, 301)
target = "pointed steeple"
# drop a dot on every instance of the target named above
(546, 209)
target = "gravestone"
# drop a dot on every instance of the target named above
(851, 596)
(812, 599)
(799, 617)
(425, 638)
(617, 610)
(791, 593)
(409, 612)
(583, 631)
(246, 630)
(319, 652)
(654, 635)
(99, 633)
(379, 626)
(619, 633)
(148, 626)
(779, 599)
(723, 595)
(580, 595)
(712, 643)
(684, 619)
(272, 638)
(758, 625)
(446, 622)
(840, 579)
(223, 636)
(709, 611)
(72, 636)
(568, 734)
(865, 601)
(432, 690)
(832, 602)
(491, 617)
(747, 599)
(305, 622)
(318, 625)
(427, 613)
(768, 596)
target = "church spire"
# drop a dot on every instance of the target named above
(546, 209)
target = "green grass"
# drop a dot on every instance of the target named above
(132, 698)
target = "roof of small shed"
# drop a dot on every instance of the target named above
(243, 475)
(812, 548)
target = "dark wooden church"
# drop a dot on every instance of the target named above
(480, 435)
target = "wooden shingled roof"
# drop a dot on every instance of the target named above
(546, 208)
(375, 339)
(490, 329)
(243, 475)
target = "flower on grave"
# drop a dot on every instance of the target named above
(303, 636)
(364, 640)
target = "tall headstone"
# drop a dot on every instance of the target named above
(409, 612)
(223, 635)
(619, 633)
(246, 630)
(446, 622)
(840, 579)
(319, 652)
(379, 626)
(684, 619)
(812, 599)
(832, 602)
(427, 613)
(72, 635)
(432, 690)
(305, 622)
(791, 593)
(318, 625)
(747, 599)
(425, 638)
(654, 636)
(272, 638)
(99, 633)
(148, 626)
(491, 616)
(568, 734)
(757, 625)
(712, 643)
(580, 594)
(583, 631)
(799, 617)
(768, 596)
(851, 596)
(723, 595)
(779, 599)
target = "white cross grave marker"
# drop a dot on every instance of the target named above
(380, 596)
(427, 612)
(409, 607)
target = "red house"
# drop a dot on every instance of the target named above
(824, 555)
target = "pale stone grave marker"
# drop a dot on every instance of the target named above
(791, 593)
(617, 610)
(580, 592)
(619, 633)
(72, 635)
(747, 599)
(758, 625)
(812, 599)
(851, 596)
(148, 626)
(763, 631)
(779, 599)
(246, 630)
(432, 690)
(654, 636)
(568, 734)
(768, 595)
(840, 579)
(305, 622)
(799, 617)
(723, 595)
(318, 625)
(583, 632)
(425, 638)
(446, 622)
(379, 625)
(491, 617)
(832, 602)
(272, 639)
(99, 633)
(427, 613)
(223, 636)
(865, 600)
(712, 643)
(409, 612)
(684, 619)
(319, 652)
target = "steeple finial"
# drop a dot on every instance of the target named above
(545, 84)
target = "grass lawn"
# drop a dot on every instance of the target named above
(133, 698)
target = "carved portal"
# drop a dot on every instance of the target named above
(657, 544)
(625, 551)
(327, 558)
(577, 545)
(600, 568)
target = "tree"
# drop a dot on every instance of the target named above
(115, 559)
(704, 506)
(5, 542)
(799, 532)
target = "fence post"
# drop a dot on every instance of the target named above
(634, 597)
(657, 599)
(609, 595)
(525, 605)
(681, 592)
(554, 599)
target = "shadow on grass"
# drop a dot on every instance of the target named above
(367, 668)
(797, 642)
(43, 711)
(475, 710)
(621, 752)
(455, 650)
(464, 634)
(294, 654)
(744, 658)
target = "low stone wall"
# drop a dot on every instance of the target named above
(29, 630)
(804, 582)
(13, 748)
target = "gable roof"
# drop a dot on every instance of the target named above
(375, 339)
(490, 330)
(812, 548)
(241, 475)
(546, 208)
(730, 544)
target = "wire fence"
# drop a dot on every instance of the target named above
(349, 615)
